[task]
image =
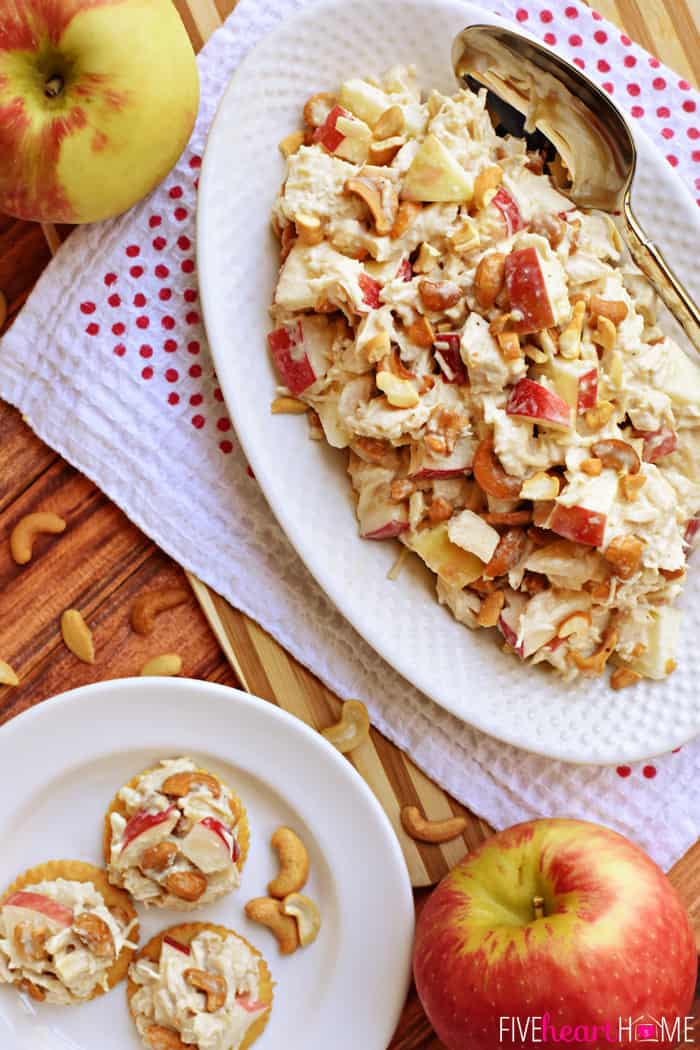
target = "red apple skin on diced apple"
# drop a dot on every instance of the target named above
(578, 524)
(390, 531)
(252, 1006)
(587, 391)
(143, 821)
(224, 834)
(327, 134)
(690, 535)
(510, 636)
(183, 948)
(527, 291)
(535, 403)
(448, 345)
(287, 349)
(509, 210)
(371, 290)
(41, 904)
(658, 443)
(405, 270)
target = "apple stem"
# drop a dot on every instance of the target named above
(538, 907)
(54, 86)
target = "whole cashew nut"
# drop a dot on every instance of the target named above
(294, 863)
(352, 729)
(213, 985)
(27, 529)
(307, 915)
(268, 912)
(166, 664)
(433, 831)
(77, 636)
(149, 605)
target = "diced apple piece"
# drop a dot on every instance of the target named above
(183, 949)
(405, 270)
(448, 356)
(535, 403)
(26, 906)
(658, 443)
(364, 100)
(287, 348)
(371, 291)
(472, 533)
(540, 486)
(209, 845)
(692, 530)
(578, 524)
(252, 1006)
(435, 175)
(389, 531)
(545, 612)
(509, 210)
(147, 829)
(380, 518)
(662, 635)
(575, 381)
(425, 464)
(457, 567)
(509, 621)
(682, 380)
(356, 140)
(536, 284)
(581, 511)
(327, 134)
(567, 564)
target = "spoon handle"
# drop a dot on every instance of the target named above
(650, 260)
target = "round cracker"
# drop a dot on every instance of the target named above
(80, 871)
(166, 900)
(185, 934)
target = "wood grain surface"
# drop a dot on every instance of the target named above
(103, 562)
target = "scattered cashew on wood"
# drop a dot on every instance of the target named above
(152, 603)
(169, 664)
(433, 831)
(26, 531)
(8, 675)
(352, 729)
(77, 636)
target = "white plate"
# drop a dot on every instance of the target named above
(62, 763)
(305, 483)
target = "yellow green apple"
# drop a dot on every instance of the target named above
(555, 931)
(97, 101)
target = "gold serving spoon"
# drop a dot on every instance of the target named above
(586, 129)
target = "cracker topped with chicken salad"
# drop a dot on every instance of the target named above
(491, 360)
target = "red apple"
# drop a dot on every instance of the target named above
(536, 403)
(252, 1006)
(658, 443)
(690, 535)
(527, 290)
(405, 270)
(210, 846)
(156, 826)
(38, 903)
(225, 834)
(371, 290)
(509, 210)
(184, 949)
(328, 135)
(587, 391)
(389, 531)
(560, 923)
(448, 356)
(425, 464)
(97, 102)
(287, 348)
(578, 524)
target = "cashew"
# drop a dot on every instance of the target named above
(318, 107)
(622, 677)
(632, 485)
(485, 185)
(160, 1038)
(30, 940)
(466, 237)
(421, 332)
(540, 486)
(570, 338)
(439, 295)
(308, 227)
(427, 258)
(187, 885)
(180, 784)
(399, 392)
(32, 990)
(268, 912)
(213, 985)
(158, 857)
(307, 915)
(614, 309)
(380, 197)
(352, 729)
(509, 345)
(96, 935)
(489, 279)
(8, 676)
(434, 831)
(605, 333)
(390, 123)
(293, 863)
(77, 636)
(384, 151)
(624, 553)
(291, 143)
(600, 415)
(593, 467)
(290, 406)
(616, 455)
(149, 605)
(27, 529)
(407, 212)
(167, 664)
(490, 610)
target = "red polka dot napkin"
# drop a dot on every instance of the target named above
(109, 363)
